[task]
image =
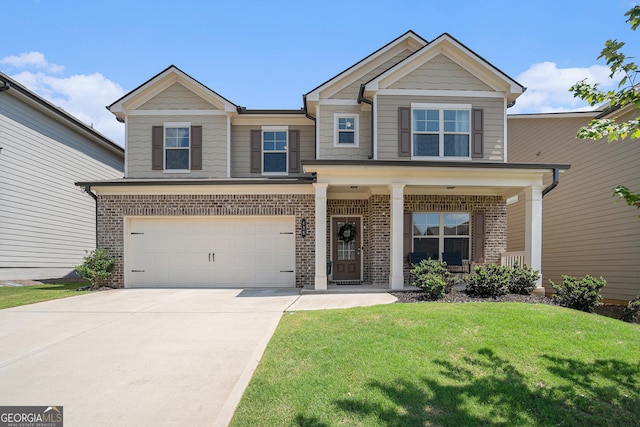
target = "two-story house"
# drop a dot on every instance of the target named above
(405, 151)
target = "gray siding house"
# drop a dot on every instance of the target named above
(46, 222)
(405, 151)
(585, 231)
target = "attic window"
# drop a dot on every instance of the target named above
(345, 130)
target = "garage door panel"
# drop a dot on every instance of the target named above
(249, 252)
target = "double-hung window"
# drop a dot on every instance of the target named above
(346, 130)
(441, 130)
(274, 150)
(436, 232)
(177, 146)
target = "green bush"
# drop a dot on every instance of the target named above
(97, 267)
(631, 312)
(491, 281)
(432, 277)
(580, 294)
(522, 280)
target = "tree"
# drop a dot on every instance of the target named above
(627, 95)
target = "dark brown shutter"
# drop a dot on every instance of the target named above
(196, 148)
(404, 132)
(294, 151)
(477, 124)
(478, 236)
(157, 148)
(407, 234)
(256, 151)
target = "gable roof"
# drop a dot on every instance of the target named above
(161, 81)
(58, 113)
(458, 52)
(410, 38)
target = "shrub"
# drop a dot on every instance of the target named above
(522, 279)
(580, 294)
(631, 312)
(432, 277)
(97, 267)
(492, 281)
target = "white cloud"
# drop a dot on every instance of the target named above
(82, 95)
(548, 87)
(31, 60)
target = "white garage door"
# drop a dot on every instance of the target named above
(210, 252)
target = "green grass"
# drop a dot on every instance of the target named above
(13, 297)
(475, 364)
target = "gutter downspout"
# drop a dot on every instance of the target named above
(554, 184)
(315, 126)
(362, 99)
(87, 189)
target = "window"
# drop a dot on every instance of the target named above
(274, 150)
(435, 233)
(440, 130)
(177, 144)
(346, 130)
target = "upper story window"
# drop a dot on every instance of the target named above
(346, 130)
(177, 146)
(441, 130)
(274, 150)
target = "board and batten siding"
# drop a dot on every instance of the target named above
(351, 91)
(584, 230)
(46, 222)
(214, 146)
(241, 148)
(176, 97)
(326, 126)
(440, 73)
(387, 123)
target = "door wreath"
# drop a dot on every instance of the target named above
(347, 232)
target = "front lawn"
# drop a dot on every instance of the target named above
(442, 364)
(21, 295)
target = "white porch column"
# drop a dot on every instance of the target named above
(396, 274)
(321, 236)
(533, 229)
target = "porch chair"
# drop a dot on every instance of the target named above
(455, 259)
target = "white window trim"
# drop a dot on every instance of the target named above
(164, 146)
(441, 108)
(441, 235)
(274, 129)
(356, 130)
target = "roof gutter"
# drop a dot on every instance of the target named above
(554, 184)
(315, 125)
(87, 189)
(362, 99)
(5, 85)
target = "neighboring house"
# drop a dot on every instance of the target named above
(405, 151)
(46, 222)
(585, 231)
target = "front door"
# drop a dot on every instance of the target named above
(347, 238)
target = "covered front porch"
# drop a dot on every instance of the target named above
(373, 214)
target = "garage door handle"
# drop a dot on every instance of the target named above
(286, 271)
(212, 256)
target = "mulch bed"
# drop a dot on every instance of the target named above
(613, 311)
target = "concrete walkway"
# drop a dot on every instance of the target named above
(146, 357)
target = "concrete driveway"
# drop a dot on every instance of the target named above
(145, 357)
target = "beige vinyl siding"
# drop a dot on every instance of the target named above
(440, 73)
(351, 91)
(241, 148)
(214, 146)
(46, 222)
(585, 231)
(176, 97)
(387, 123)
(326, 126)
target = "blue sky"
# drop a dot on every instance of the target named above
(84, 55)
